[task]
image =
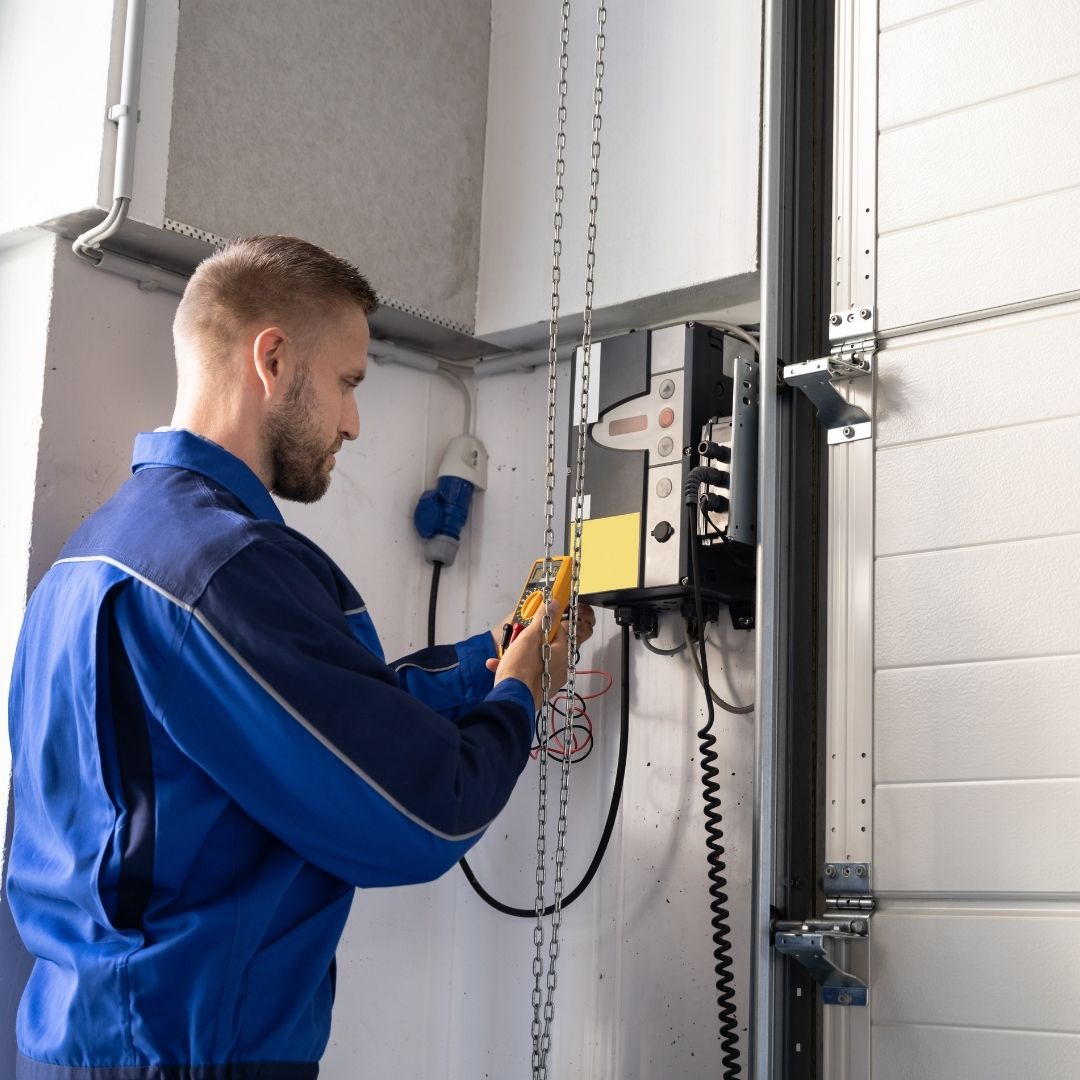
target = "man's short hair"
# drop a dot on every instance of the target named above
(273, 279)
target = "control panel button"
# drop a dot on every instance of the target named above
(667, 417)
(665, 446)
(667, 388)
(664, 531)
(663, 487)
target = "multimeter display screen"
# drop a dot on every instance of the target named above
(537, 577)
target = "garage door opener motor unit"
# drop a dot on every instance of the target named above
(661, 403)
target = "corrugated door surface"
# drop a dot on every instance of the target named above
(976, 944)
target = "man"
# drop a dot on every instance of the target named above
(209, 750)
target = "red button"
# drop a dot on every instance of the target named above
(667, 417)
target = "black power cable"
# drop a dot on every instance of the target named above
(436, 571)
(714, 834)
(616, 792)
(609, 823)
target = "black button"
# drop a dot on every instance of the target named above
(664, 531)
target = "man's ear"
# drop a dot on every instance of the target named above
(268, 355)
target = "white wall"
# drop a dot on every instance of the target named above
(60, 69)
(25, 302)
(678, 196)
(976, 749)
(54, 69)
(155, 112)
(110, 375)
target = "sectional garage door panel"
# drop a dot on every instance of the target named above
(969, 53)
(999, 602)
(991, 374)
(978, 837)
(976, 196)
(1013, 718)
(972, 263)
(941, 1053)
(979, 489)
(985, 967)
(979, 157)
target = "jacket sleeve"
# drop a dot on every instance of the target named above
(452, 679)
(316, 739)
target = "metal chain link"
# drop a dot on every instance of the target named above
(549, 541)
(540, 1059)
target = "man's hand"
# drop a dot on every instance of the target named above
(586, 621)
(523, 659)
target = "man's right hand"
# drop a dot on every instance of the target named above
(523, 660)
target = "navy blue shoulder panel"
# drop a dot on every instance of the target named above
(177, 528)
(172, 526)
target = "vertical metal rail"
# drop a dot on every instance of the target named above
(795, 271)
(849, 780)
(770, 608)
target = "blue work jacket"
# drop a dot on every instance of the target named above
(209, 755)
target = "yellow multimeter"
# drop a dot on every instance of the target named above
(531, 601)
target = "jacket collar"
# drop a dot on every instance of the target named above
(179, 449)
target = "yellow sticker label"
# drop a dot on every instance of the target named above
(610, 549)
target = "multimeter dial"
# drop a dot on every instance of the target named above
(531, 605)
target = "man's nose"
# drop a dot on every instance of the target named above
(350, 420)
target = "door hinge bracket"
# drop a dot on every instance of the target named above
(838, 987)
(849, 903)
(853, 345)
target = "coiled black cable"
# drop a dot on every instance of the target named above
(714, 834)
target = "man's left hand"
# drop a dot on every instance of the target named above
(586, 621)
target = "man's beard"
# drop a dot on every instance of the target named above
(296, 456)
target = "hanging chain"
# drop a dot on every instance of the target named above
(549, 541)
(540, 1053)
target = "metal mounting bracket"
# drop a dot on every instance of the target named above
(838, 987)
(852, 354)
(849, 904)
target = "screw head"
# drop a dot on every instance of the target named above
(864, 313)
(684, 581)
(830, 870)
(835, 320)
(843, 999)
(848, 432)
(860, 871)
(859, 926)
